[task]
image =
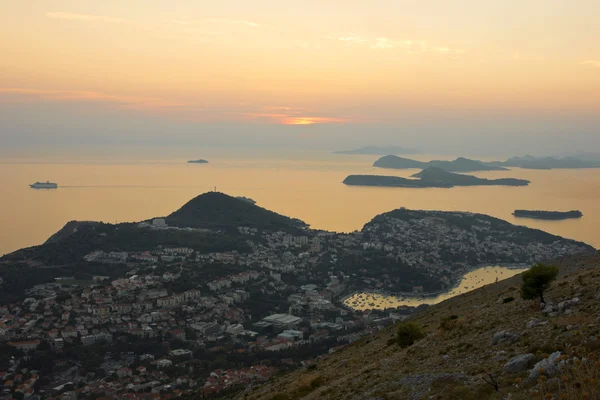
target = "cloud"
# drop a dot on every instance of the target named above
(311, 120)
(385, 43)
(447, 50)
(284, 115)
(593, 63)
(188, 111)
(27, 95)
(84, 17)
(228, 21)
(353, 39)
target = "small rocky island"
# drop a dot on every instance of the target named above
(199, 161)
(550, 215)
(432, 177)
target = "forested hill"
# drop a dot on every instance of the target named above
(433, 240)
(214, 210)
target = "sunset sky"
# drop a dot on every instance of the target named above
(380, 70)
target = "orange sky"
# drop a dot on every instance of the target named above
(306, 62)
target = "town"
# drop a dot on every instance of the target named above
(179, 321)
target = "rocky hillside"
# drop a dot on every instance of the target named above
(214, 210)
(491, 334)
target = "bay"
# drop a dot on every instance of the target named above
(472, 280)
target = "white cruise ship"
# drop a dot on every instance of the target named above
(44, 185)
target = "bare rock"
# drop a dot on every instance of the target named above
(505, 337)
(548, 367)
(518, 363)
(567, 304)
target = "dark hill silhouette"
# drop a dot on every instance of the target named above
(531, 162)
(435, 175)
(432, 177)
(461, 164)
(214, 210)
(395, 162)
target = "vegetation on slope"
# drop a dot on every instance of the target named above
(215, 210)
(476, 346)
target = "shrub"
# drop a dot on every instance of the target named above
(449, 323)
(508, 300)
(537, 280)
(408, 334)
(318, 381)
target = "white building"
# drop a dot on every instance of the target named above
(159, 223)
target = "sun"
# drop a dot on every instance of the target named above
(309, 120)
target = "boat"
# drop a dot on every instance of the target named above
(44, 185)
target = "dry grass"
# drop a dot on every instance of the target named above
(457, 342)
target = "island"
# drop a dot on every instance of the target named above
(199, 161)
(531, 162)
(432, 177)
(461, 164)
(550, 215)
(379, 150)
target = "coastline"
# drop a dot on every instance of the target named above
(424, 296)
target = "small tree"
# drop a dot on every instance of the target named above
(537, 280)
(408, 334)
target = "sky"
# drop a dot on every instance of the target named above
(455, 75)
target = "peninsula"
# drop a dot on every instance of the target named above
(199, 161)
(461, 164)
(432, 177)
(204, 282)
(550, 215)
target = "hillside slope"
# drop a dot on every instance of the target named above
(213, 210)
(468, 338)
(461, 164)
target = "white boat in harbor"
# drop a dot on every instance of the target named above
(44, 185)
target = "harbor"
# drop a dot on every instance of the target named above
(476, 278)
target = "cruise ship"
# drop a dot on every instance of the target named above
(44, 185)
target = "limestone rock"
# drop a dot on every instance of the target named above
(505, 337)
(518, 363)
(549, 367)
(567, 304)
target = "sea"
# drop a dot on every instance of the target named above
(120, 185)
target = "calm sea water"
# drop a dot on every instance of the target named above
(305, 185)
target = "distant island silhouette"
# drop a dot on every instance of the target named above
(461, 164)
(432, 177)
(379, 150)
(550, 215)
(199, 161)
(531, 162)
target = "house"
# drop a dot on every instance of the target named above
(123, 372)
(164, 363)
(88, 340)
(178, 333)
(25, 346)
